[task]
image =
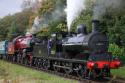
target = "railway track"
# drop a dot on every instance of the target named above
(73, 77)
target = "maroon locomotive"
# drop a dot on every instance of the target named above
(23, 49)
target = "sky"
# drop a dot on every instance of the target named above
(9, 7)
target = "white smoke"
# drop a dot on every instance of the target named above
(41, 22)
(74, 8)
(36, 25)
(103, 6)
(34, 5)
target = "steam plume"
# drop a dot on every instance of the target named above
(74, 8)
(41, 22)
(103, 6)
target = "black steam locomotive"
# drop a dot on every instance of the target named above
(81, 53)
(93, 42)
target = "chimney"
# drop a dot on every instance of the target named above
(95, 25)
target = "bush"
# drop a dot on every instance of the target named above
(116, 50)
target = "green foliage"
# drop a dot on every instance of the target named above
(48, 13)
(114, 25)
(5, 24)
(13, 31)
(14, 25)
(84, 18)
(57, 26)
(116, 50)
(47, 6)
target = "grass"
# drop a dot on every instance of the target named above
(10, 73)
(119, 72)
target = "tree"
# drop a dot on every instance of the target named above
(5, 24)
(13, 31)
(18, 22)
(85, 17)
(52, 15)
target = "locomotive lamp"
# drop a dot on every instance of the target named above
(118, 63)
(90, 64)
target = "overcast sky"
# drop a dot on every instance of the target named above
(9, 7)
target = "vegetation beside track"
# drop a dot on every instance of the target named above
(119, 72)
(17, 74)
(10, 73)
